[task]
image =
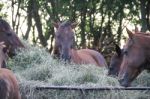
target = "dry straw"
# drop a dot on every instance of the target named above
(35, 67)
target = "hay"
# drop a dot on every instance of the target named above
(35, 67)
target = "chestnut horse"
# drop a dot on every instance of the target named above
(116, 59)
(9, 88)
(65, 47)
(8, 36)
(136, 57)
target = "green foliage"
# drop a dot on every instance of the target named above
(1, 6)
(100, 22)
(2, 15)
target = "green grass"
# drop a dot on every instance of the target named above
(34, 66)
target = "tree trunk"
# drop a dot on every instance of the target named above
(83, 23)
(143, 15)
(38, 23)
(29, 19)
(148, 14)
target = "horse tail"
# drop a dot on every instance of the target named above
(101, 60)
(4, 89)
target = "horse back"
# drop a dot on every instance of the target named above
(8, 85)
(98, 57)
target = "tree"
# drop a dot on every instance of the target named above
(101, 22)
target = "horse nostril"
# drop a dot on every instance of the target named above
(123, 83)
(120, 80)
(65, 57)
(109, 73)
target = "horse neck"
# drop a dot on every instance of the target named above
(74, 55)
(17, 40)
(144, 42)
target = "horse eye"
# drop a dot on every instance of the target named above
(125, 52)
(111, 68)
(8, 34)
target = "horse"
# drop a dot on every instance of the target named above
(9, 37)
(115, 62)
(136, 57)
(64, 48)
(9, 88)
(116, 59)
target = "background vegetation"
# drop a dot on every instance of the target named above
(100, 22)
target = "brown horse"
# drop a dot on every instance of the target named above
(116, 59)
(8, 36)
(115, 62)
(9, 88)
(65, 47)
(136, 57)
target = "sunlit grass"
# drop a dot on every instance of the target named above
(34, 66)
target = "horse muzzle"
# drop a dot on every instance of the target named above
(112, 74)
(124, 83)
(66, 57)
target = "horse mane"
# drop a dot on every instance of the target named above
(65, 23)
(4, 24)
(143, 33)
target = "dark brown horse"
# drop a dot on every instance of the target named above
(136, 57)
(8, 36)
(65, 47)
(115, 62)
(9, 88)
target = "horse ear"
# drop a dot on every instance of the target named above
(73, 25)
(136, 29)
(130, 34)
(118, 49)
(56, 24)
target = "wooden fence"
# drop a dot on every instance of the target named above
(90, 88)
(83, 90)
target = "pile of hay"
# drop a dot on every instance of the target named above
(34, 66)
